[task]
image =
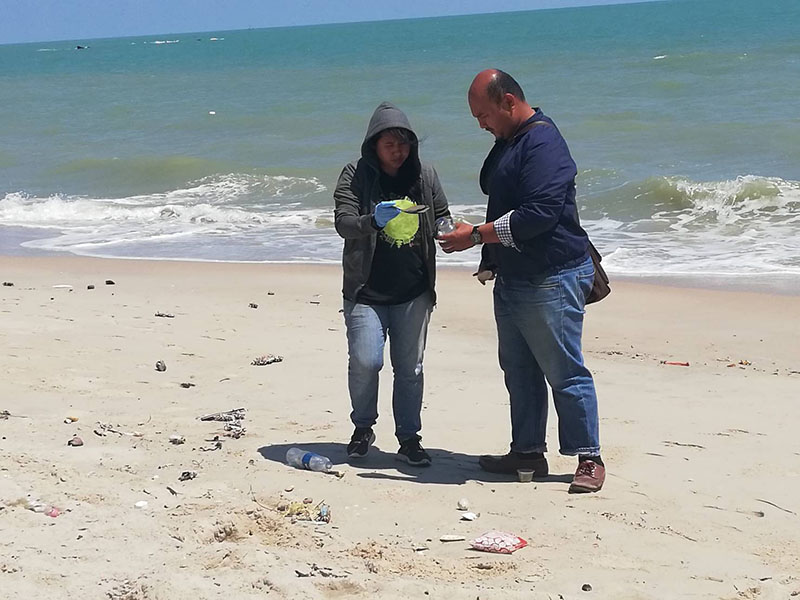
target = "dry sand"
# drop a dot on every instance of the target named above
(701, 499)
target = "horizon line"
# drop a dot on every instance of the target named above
(328, 23)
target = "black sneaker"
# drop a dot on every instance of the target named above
(411, 452)
(360, 442)
(509, 463)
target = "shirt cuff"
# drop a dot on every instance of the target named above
(502, 228)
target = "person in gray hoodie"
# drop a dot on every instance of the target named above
(389, 264)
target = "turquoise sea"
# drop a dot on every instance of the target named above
(681, 115)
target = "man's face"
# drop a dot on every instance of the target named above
(494, 118)
(392, 153)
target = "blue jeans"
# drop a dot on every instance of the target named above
(406, 326)
(539, 328)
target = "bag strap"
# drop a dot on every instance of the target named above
(526, 128)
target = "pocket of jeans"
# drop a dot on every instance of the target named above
(527, 293)
(586, 283)
(533, 284)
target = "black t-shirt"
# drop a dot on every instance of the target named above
(398, 273)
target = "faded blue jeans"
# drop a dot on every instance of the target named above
(539, 329)
(406, 326)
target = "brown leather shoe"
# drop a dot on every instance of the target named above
(588, 478)
(509, 463)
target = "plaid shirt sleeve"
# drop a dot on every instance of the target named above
(502, 227)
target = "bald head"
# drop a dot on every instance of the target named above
(480, 84)
(495, 84)
(498, 103)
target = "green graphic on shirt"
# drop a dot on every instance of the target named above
(402, 228)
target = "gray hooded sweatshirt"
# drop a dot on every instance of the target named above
(358, 191)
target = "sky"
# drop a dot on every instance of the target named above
(50, 20)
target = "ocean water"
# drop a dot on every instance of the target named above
(226, 146)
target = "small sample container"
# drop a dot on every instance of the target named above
(525, 475)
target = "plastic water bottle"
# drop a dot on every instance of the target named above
(303, 459)
(444, 225)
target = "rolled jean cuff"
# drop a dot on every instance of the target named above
(588, 451)
(539, 449)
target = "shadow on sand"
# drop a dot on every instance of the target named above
(451, 468)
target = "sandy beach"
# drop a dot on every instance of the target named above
(701, 499)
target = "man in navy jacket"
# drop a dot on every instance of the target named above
(535, 248)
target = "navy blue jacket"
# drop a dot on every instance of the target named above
(533, 174)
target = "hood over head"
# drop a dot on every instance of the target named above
(388, 116)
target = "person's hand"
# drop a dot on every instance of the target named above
(385, 212)
(484, 276)
(458, 240)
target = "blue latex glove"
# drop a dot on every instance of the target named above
(385, 212)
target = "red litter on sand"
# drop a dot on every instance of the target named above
(498, 542)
